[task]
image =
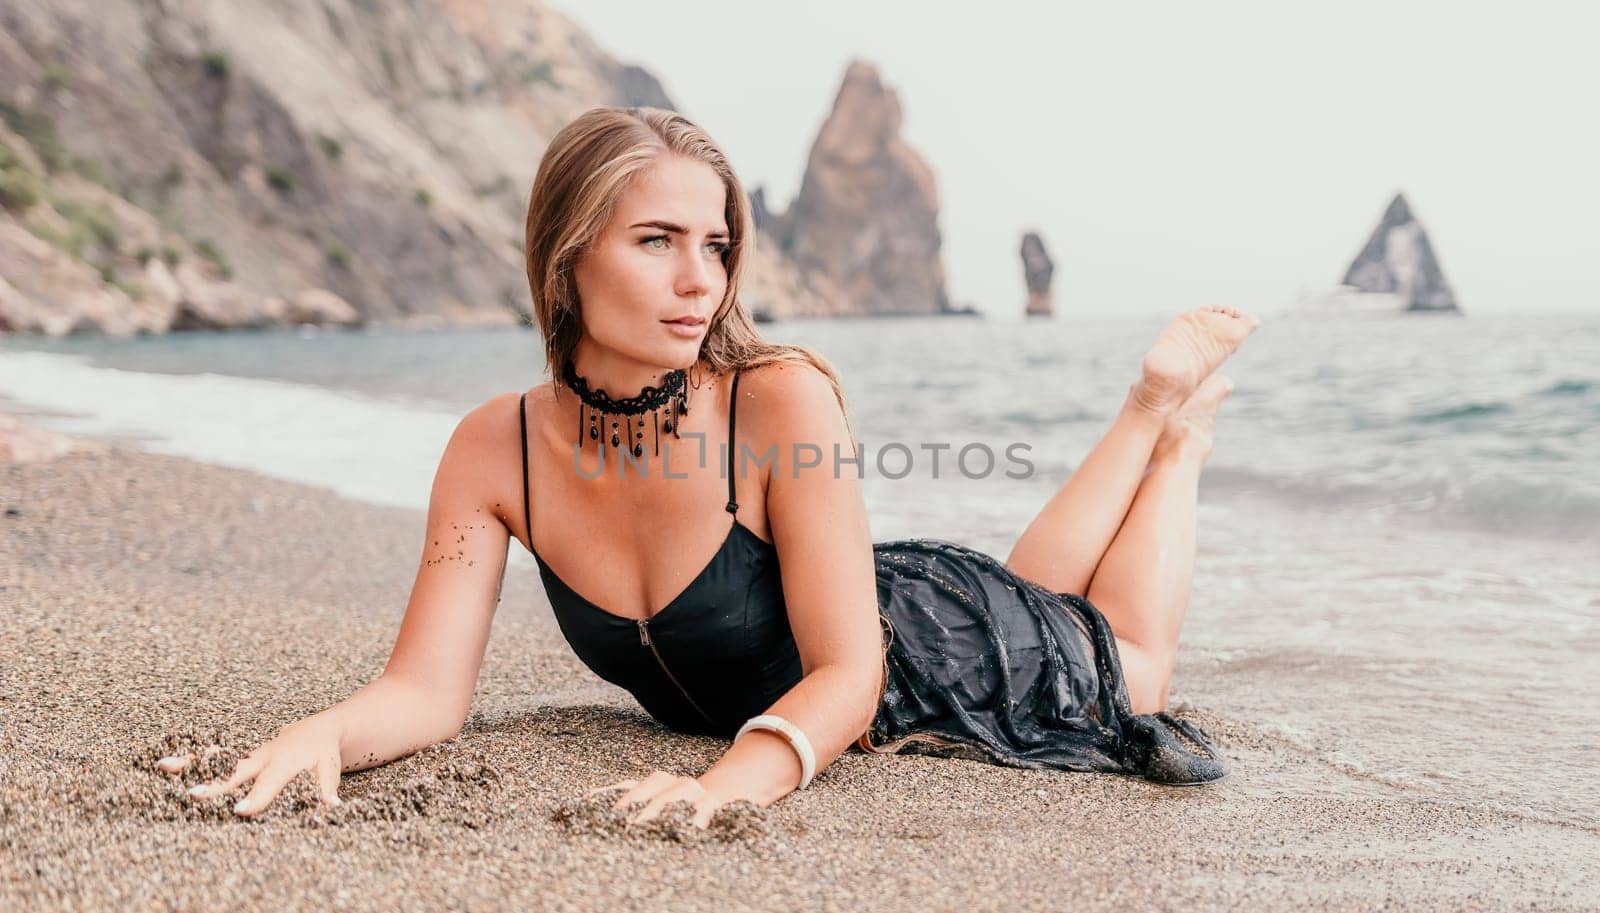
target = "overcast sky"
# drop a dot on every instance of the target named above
(1175, 154)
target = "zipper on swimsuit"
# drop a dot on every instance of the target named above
(644, 638)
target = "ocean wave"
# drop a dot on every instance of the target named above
(356, 445)
(1544, 508)
(1569, 388)
(1468, 410)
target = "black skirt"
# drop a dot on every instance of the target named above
(982, 664)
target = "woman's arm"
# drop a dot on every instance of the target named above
(387, 718)
(424, 692)
(819, 525)
(442, 638)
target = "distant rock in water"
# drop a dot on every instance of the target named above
(1037, 270)
(864, 230)
(1398, 260)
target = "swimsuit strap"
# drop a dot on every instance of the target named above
(522, 415)
(733, 407)
(522, 412)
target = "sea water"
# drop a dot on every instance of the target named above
(1399, 524)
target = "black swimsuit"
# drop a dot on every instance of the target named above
(978, 662)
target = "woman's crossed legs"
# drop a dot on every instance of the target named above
(1121, 531)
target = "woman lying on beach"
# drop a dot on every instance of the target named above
(800, 636)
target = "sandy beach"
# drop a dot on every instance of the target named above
(151, 603)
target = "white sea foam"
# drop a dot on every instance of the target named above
(358, 446)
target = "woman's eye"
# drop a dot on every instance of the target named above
(660, 242)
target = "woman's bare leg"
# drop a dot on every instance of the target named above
(1142, 584)
(1061, 547)
(1064, 544)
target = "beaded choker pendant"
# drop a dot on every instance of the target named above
(672, 396)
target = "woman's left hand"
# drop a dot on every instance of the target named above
(659, 788)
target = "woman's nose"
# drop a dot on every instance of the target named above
(694, 276)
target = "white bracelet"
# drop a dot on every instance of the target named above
(797, 741)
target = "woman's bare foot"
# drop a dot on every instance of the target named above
(1185, 353)
(1188, 431)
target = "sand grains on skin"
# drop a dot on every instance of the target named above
(1190, 347)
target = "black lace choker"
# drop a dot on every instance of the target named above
(672, 395)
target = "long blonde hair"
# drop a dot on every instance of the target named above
(587, 166)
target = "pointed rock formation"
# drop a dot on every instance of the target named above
(1398, 260)
(773, 286)
(864, 228)
(1037, 270)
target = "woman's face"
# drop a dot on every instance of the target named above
(659, 258)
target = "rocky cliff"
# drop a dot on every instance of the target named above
(167, 164)
(179, 164)
(863, 230)
(1398, 260)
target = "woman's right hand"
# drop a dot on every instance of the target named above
(308, 744)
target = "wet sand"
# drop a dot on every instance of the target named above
(150, 604)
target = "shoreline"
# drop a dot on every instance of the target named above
(28, 442)
(153, 598)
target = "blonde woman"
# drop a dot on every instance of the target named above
(799, 637)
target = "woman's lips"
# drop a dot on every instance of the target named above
(684, 328)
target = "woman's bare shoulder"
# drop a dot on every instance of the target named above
(502, 408)
(784, 379)
(784, 393)
(483, 461)
(493, 427)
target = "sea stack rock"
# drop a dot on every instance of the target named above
(864, 228)
(1398, 260)
(1037, 269)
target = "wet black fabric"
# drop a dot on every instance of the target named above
(978, 662)
(987, 665)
